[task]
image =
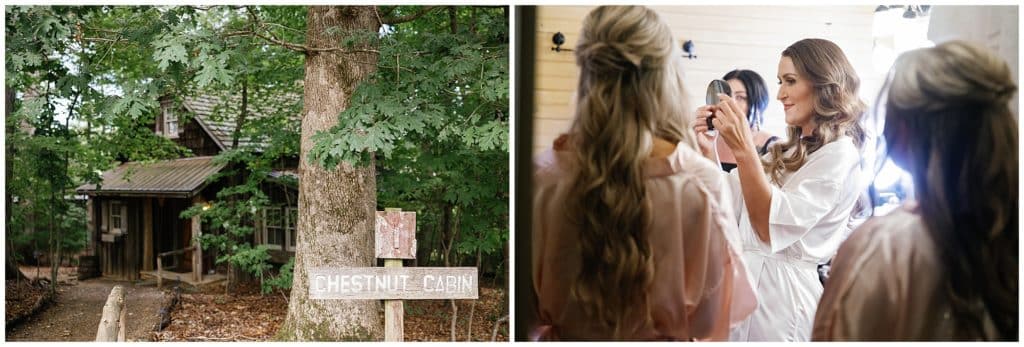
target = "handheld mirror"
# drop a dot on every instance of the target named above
(716, 86)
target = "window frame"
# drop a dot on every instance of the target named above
(117, 209)
(290, 241)
(266, 229)
(168, 120)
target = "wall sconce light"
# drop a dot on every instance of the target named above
(689, 49)
(909, 11)
(206, 206)
(559, 40)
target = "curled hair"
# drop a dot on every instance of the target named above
(757, 95)
(630, 91)
(837, 108)
(949, 124)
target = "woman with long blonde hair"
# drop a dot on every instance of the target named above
(944, 267)
(794, 204)
(630, 224)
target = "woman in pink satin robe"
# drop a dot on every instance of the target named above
(633, 231)
(946, 266)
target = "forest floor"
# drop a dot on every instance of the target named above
(212, 315)
(247, 315)
(430, 320)
(74, 313)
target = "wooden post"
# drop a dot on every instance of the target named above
(147, 235)
(394, 310)
(197, 252)
(159, 273)
(112, 319)
(90, 225)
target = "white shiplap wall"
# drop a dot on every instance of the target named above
(725, 38)
(995, 27)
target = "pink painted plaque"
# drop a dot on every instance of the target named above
(395, 235)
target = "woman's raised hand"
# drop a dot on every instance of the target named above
(732, 126)
(704, 140)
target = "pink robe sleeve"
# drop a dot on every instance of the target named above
(883, 285)
(721, 289)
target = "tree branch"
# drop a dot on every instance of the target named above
(100, 39)
(256, 23)
(101, 30)
(295, 46)
(282, 26)
(387, 11)
(376, 11)
(408, 18)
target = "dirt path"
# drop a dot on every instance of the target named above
(75, 314)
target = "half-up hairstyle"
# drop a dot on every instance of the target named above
(630, 91)
(837, 107)
(949, 124)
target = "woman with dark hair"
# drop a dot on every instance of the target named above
(943, 267)
(751, 95)
(794, 202)
(632, 238)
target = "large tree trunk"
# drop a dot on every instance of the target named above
(336, 208)
(12, 272)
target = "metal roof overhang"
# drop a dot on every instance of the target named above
(179, 178)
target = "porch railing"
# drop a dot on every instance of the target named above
(160, 263)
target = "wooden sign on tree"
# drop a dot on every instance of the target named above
(395, 236)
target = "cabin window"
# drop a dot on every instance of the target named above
(279, 227)
(273, 230)
(293, 217)
(170, 126)
(117, 215)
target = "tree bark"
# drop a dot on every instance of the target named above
(12, 272)
(242, 115)
(53, 243)
(336, 208)
(453, 20)
(472, 305)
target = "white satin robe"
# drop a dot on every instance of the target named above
(808, 220)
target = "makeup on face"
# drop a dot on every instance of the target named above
(795, 93)
(739, 93)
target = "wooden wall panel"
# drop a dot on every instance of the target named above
(726, 38)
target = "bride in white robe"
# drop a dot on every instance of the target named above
(808, 221)
(791, 219)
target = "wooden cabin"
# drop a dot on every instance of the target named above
(135, 228)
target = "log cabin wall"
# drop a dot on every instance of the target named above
(168, 229)
(121, 258)
(725, 38)
(197, 140)
(191, 135)
(133, 239)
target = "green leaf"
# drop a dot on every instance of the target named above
(169, 48)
